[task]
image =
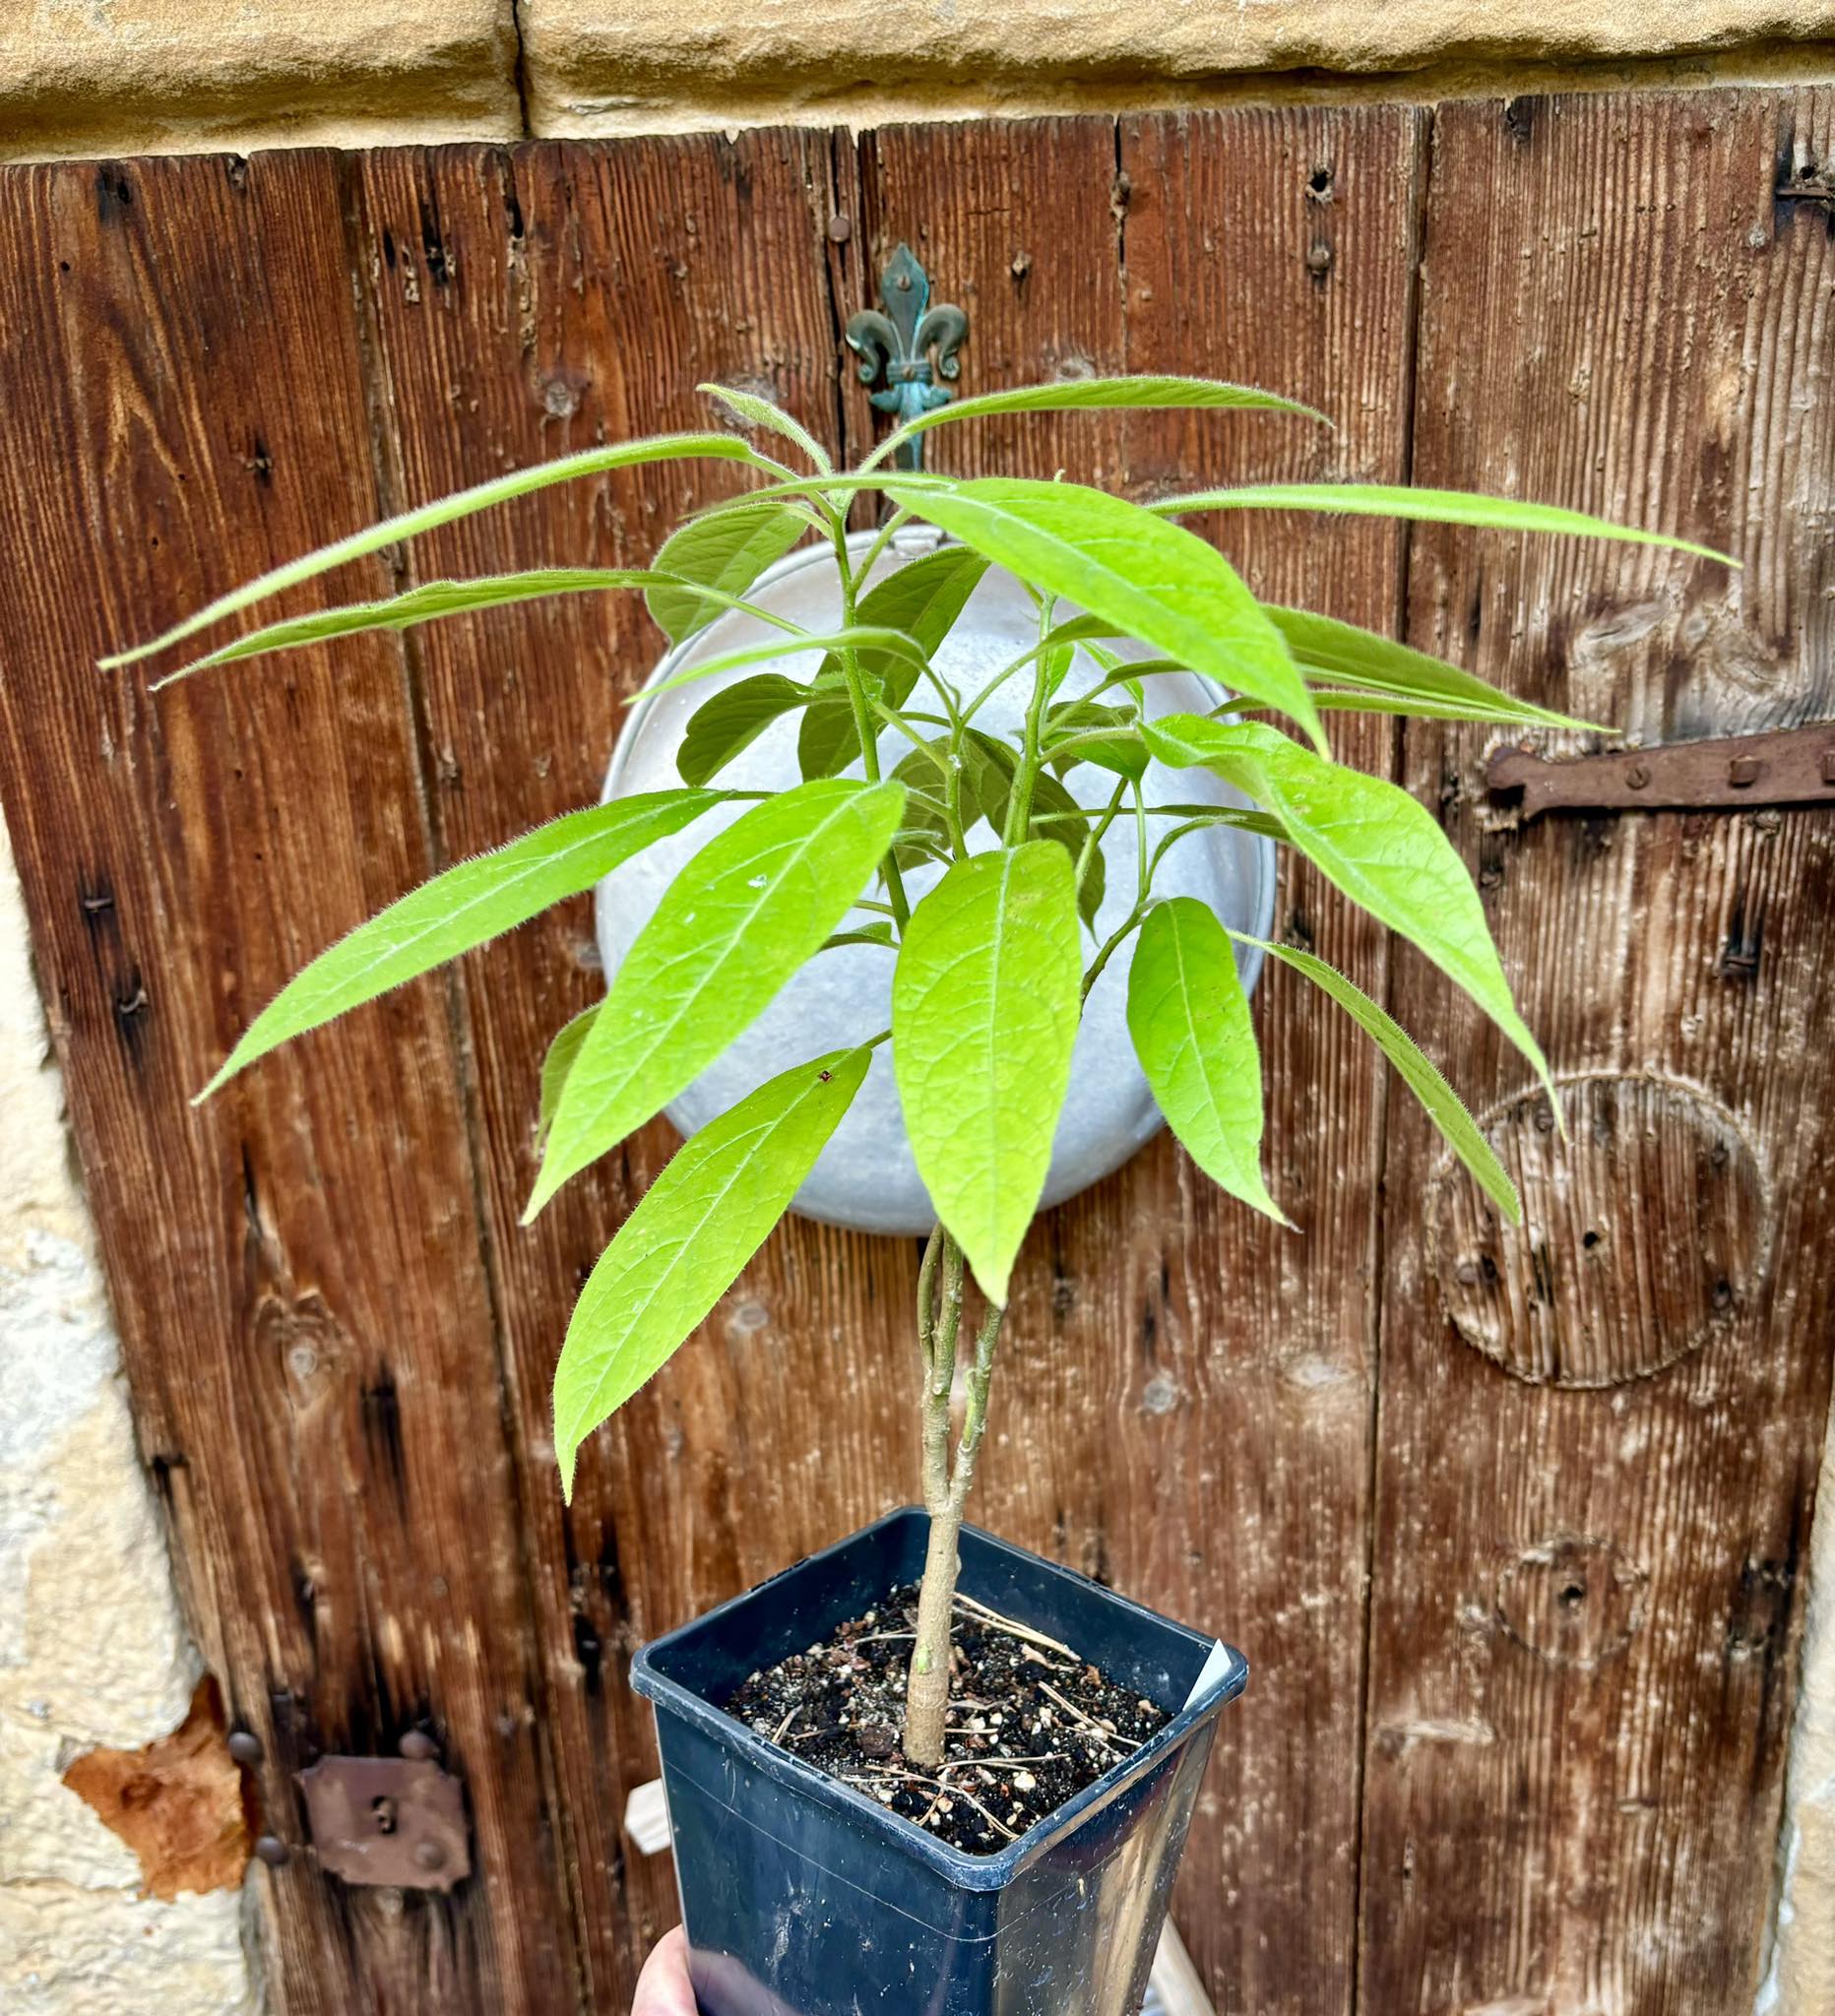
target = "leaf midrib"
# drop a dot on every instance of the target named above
(757, 1136)
(662, 1038)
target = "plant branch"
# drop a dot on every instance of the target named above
(926, 1298)
(1116, 938)
(1019, 802)
(1094, 837)
(857, 701)
(975, 1422)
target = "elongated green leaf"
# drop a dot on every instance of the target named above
(684, 1245)
(1199, 817)
(1344, 655)
(1104, 736)
(563, 1048)
(734, 925)
(813, 490)
(1129, 672)
(925, 809)
(426, 603)
(878, 932)
(1443, 1103)
(1082, 630)
(1438, 507)
(1071, 394)
(1177, 594)
(728, 553)
(1371, 700)
(862, 637)
(1370, 838)
(1189, 1017)
(466, 906)
(443, 511)
(732, 720)
(761, 412)
(1058, 816)
(986, 1000)
(922, 600)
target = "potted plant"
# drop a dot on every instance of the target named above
(924, 1769)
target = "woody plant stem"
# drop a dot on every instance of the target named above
(946, 1483)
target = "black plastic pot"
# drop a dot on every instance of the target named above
(804, 1898)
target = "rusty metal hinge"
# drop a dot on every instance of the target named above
(1785, 767)
(397, 1821)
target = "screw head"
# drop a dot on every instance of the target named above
(840, 227)
(245, 1746)
(429, 1855)
(1638, 776)
(274, 1850)
(1319, 258)
(418, 1747)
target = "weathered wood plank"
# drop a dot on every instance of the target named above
(295, 1268)
(1185, 1403)
(1586, 1605)
(579, 294)
(1555, 1818)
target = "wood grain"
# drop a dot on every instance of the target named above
(1579, 1474)
(295, 1272)
(1588, 1597)
(1184, 1406)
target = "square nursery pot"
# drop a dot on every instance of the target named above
(804, 1898)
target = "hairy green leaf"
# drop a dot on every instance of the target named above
(729, 553)
(563, 1048)
(1189, 1017)
(985, 1000)
(879, 932)
(1083, 630)
(426, 603)
(732, 720)
(926, 810)
(1177, 594)
(443, 511)
(1443, 1105)
(731, 928)
(922, 600)
(1438, 507)
(1098, 734)
(860, 636)
(1367, 837)
(1073, 395)
(693, 1232)
(466, 906)
(1365, 662)
(762, 412)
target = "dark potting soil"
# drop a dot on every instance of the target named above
(1030, 1722)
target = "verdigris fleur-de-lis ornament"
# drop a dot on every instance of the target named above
(898, 340)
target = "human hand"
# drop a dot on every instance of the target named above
(663, 1988)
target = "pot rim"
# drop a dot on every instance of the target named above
(1223, 1676)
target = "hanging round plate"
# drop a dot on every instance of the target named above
(866, 1178)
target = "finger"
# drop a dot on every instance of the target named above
(664, 1988)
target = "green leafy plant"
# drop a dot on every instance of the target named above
(995, 963)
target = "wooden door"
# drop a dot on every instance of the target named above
(1456, 1783)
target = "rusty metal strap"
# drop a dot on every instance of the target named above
(1786, 767)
